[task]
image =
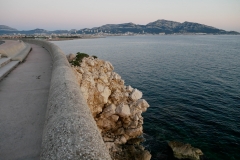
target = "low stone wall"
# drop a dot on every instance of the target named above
(16, 50)
(70, 131)
(10, 48)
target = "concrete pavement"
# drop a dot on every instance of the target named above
(23, 102)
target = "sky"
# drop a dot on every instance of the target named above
(79, 14)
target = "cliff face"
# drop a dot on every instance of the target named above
(115, 107)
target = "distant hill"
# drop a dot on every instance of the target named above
(159, 26)
(7, 29)
(156, 27)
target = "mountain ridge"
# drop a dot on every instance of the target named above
(157, 27)
(7, 28)
(160, 26)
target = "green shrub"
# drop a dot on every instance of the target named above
(75, 63)
(79, 58)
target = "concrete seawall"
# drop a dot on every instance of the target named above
(70, 131)
(16, 50)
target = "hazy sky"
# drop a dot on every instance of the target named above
(78, 14)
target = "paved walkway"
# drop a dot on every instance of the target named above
(23, 102)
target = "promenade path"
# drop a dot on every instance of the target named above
(23, 102)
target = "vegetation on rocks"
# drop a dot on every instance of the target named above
(78, 58)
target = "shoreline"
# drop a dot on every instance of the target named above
(66, 39)
(116, 108)
(4, 37)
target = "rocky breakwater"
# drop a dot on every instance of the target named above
(115, 107)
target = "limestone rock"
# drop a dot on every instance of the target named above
(142, 104)
(115, 76)
(123, 110)
(183, 151)
(70, 57)
(115, 118)
(105, 94)
(129, 89)
(115, 107)
(128, 152)
(135, 95)
(146, 155)
(90, 62)
(135, 132)
(109, 111)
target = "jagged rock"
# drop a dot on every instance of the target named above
(105, 94)
(123, 110)
(115, 76)
(146, 155)
(116, 108)
(182, 151)
(142, 104)
(134, 132)
(129, 89)
(109, 111)
(70, 57)
(90, 62)
(115, 118)
(128, 152)
(135, 95)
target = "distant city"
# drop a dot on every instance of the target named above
(159, 27)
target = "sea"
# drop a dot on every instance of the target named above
(192, 83)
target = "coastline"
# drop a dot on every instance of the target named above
(187, 49)
(116, 108)
(66, 39)
(46, 38)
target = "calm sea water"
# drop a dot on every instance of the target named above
(192, 84)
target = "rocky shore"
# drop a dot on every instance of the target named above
(115, 107)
